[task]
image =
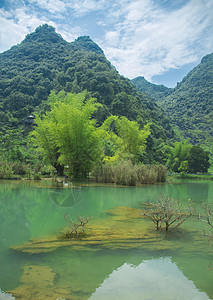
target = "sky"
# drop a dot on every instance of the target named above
(161, 40)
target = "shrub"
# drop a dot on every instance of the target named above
(18, 168)
(6, 170)
(126, 173)
(148, 174)
(36, 176)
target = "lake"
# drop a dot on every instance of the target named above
(121, 257)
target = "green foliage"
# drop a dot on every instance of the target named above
(156, 92)
(19, 168)
(178, 157)
(198, 160)
(67, 135)
(126, 138)
(44, 61)
(184, 157)
(12, 145)
(6, 170)
(189, 105)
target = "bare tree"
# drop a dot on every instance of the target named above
(76, 227)
(169, 211)
(208, 218)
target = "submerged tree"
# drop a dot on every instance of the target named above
(77, 226)
(208, 219)
(169, 211)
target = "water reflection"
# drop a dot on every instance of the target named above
(152, 279)
(68, 197)
(28, 212)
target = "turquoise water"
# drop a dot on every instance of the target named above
(178, 270)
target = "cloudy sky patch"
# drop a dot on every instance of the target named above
(149, 38)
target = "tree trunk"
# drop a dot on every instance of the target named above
(59, 169)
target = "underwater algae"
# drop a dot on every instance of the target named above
(37, 283)
(121, 228)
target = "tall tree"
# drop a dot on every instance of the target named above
(178, 157)
(198, 160)
(67, 134)
(126, 137)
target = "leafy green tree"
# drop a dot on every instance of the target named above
(188, 158)
(67, 134)
(178, 157)
(12, 145)
(198, 160)
(183, 166)
(44, 139)
(127, 138)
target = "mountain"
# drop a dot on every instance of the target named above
(157, 92)
(44, 61)
(189, 105)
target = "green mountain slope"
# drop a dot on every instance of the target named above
(190, 105)
(157, 92)
(45, 61)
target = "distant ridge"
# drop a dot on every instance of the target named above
(157, 92)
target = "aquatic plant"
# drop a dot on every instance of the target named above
(126, 173)
(39, 282)
(77, 227)
(119, 229)
(148, 174)
(169, 211)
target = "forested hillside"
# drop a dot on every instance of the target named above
(157, 92)
(190, 105)
(44, 61)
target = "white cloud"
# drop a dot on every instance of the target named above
(10, 34)
(53, 6)
(80, 7)
(83, 7)
(67, 34)
(15, 25)
(139, 37)
(149, 40)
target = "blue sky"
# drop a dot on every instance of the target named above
(161, 40)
